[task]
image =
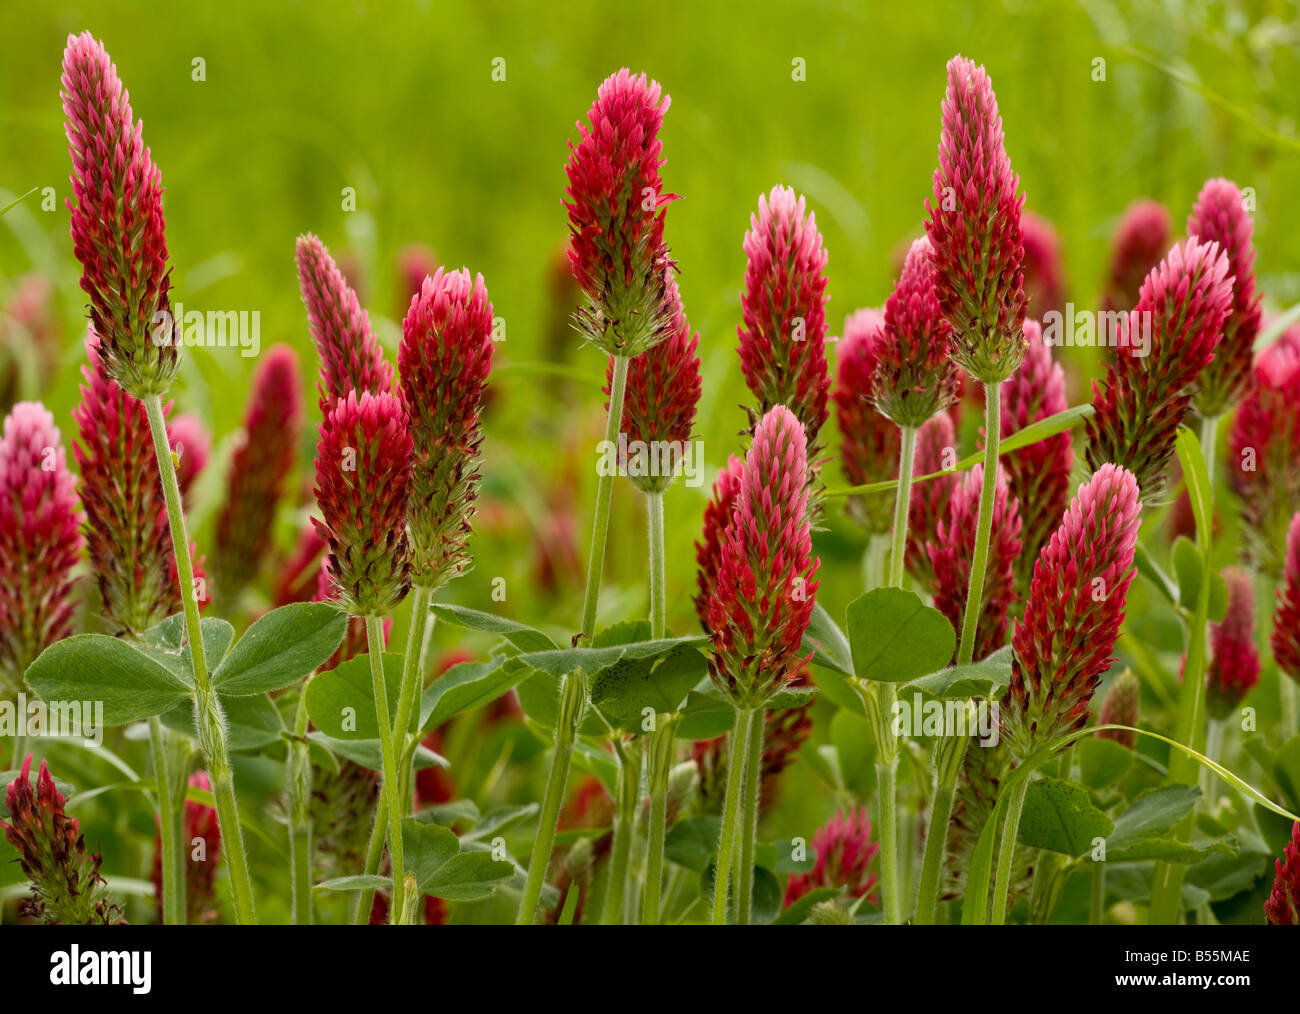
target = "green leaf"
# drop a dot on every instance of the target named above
(96, 667)
(166, 643)
(1225, 876)
(359, 882)
(1102, 762)
(18, 200)
(1149, 569)
(467, 686)
(627, 689)
(1187, 570)
(281, 648)
(855, 748)
(469, 876)
(593, 661)
(828, 642)
(251, 722)
(1151, 815)
(706, 715)
(790, 697)
(987, 678)
(1197, 478)
(428, 847)
(1060, 816)
(896, 638)
(778, 856)
(539, 696)
(449, 813)
(368, 754)
(625, 632)
(799, 910)
(691, 843)
(1286, 768)
(341, 702)
(499, 819)
(766, 896)
(1168, 850)
(522, 636)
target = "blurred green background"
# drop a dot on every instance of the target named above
(398, 101)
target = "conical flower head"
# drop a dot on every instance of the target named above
(1039, 474)
(117, 222)
(1164, 344)
(1220, 216)
(975, 228)
(202, 837)
(765, 592)
(444, 360)
(915, 378)
(1285, 640)
(953, 549)
(1142, 238)
(1076, 605)
(845, 853)
(351, 358)
(708, 550)
(869, 441)
(363, 478)
(40, 542)
(67, 888)
(126, 516)
(1283, 905)
(936, 451)
(1265, 444)
(616, 211)
(663, 388)
(191, 445)
(1121, 708)
(783, 337)
(1043, 274)
(1234, 659)
(259, 471)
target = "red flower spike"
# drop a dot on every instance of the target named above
(1265, 444)
(663, 388)
(765, 592)
(870, 442)
(117, 223)
(351, 358)
(936, 445)
(953, 548)
(1178, 320)
(1283, 905)
(915, 378)
(444, 361)
(1234, 659)
(200, 874)
(363, 478)
(1121, 708)
(1220, 217)
(1285, 640)
(1143, 237)
(121, 492)
(67, 888)
(616, 212)
(783, 337)
(845, 853)
(708, 550)
(40, 542)
(259, 471)
(1039, 474)
(1076, 605)
(1043, 274)
(975, 228)
(191, 445)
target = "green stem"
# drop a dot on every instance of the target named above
(299, 776)
(1007, 849)
(659, 757)
(412, 680)
(948, 761)
(737, 757)
(573, 694)
(209, 720)
(364, 900)
(890, 888)
(1214, 751)
(749, 819)
(604, 492)
(1097, 897)
(902, 504)
(984, 526)
(658, 598)
(629, 795)
(1286, 699)
(19, 752)
(392, 778)
(171, 829)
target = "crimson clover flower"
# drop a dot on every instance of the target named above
(1044, 278)
(936, 443)
(1234, 659)
(1283, 905)
(1120, 707)
(1285, 640)
(845, 853)
(192, 446)
(869, 442)
(1142, 238)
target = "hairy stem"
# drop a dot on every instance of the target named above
(1097, 896)
(1007, 850)
(658, 598)
(209, 720)
(171, 829)
(299, 777)
(659, 759)
(625, 807)
(948, 760)
(392, 776)
(737, 757)
(604, 492)
(412, 679)
(363, 901)
(749, 819)
(984, 526)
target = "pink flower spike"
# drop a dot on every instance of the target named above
(1220, 216)
(1044, 276)
(40, 543)
(783, 337)
(1234, 659)
(1121, 708)
(616, 212)
(117, 223)
(1142, 238)
(708, 551)
(870, 442)
(936, 449)
(915, 378)
(975, 228)
(1076, 605)
(259, 472)
(1285, 640)
(363, 477)
(845, 853)
(1283, 905)
(765, 592)
(351, 358)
